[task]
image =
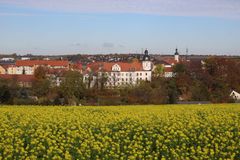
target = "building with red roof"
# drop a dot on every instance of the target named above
(28, 66)
(168, 62)
(119, 73)
(2, 70)
(23, 70)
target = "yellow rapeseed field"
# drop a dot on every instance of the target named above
(120, 132)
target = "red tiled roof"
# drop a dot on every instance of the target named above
(169, 60)
(168, 69)
(107, 66)
(19, 78)
(77, 66)
(42, 62)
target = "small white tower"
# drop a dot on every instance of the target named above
(176, 55)
(147, 65)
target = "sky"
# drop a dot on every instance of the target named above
(52, 27)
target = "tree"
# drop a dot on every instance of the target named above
(102, 81)
(140, 94)
(72, 87)
(199, 91)
(5, 95)
(159, 94)
(183, 80)
(222, 77)
(158, 71)
(172, 91)
(40, 73)
(41, 85)
(179, 68)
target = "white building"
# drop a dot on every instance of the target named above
(28, 66)
(120, 73)
(235, 95)
(176, 56)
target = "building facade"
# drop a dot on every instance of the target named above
(120, 73)
(28, 67)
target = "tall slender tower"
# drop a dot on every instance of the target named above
(146, 63)
(176, 55)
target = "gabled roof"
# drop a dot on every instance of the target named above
(169, 61)
(107, 66)
(163, 62)
(168, 69)
(59, 71)
(42, 62)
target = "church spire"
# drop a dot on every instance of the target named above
(176, 55)
(146, 56)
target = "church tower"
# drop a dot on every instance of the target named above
(146, 63)
(176, 55)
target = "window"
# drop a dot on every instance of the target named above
(140, 74)
(137, 74)
(146, 74)
(126, 79)
(126, 74)
(122, 79)
(116, 67)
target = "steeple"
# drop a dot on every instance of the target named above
(146, 52)
(146, 56)
(176, 55)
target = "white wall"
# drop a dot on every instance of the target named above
(124, 78)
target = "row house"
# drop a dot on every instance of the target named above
(23, 70)
(28, 66)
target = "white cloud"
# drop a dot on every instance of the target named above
(214, 8)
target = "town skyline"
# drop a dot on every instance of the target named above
(89, 27)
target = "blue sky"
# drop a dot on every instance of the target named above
(119, 26)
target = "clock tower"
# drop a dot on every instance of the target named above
(146, 63)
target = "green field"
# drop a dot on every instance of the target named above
(120, 132)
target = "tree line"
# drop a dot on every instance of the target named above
(212, 81)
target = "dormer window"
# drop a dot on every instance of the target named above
(116, 68)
